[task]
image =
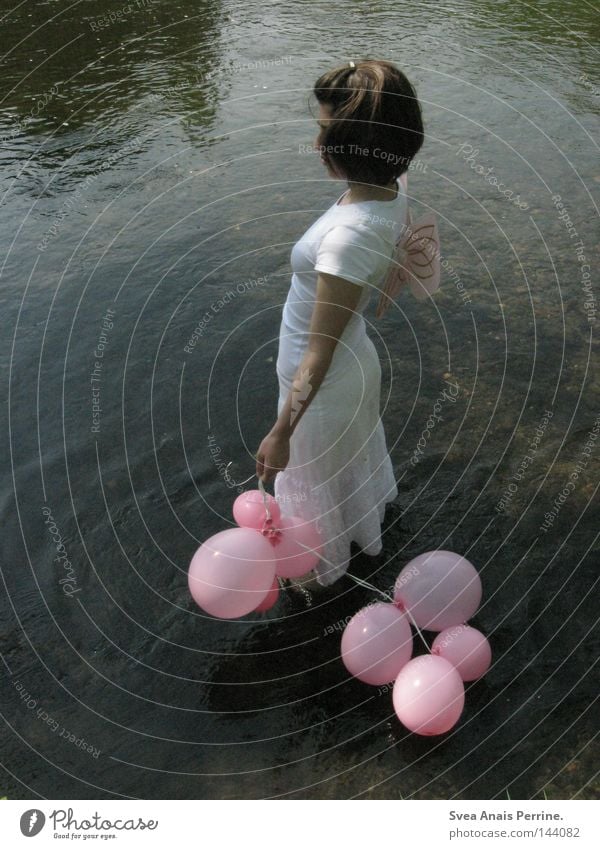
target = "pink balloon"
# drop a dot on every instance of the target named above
(466, 649)
(377, 643)
(428, 695)
(439, 588)
(249, 509)
(293, 559)
(270, 599)
(232, 572)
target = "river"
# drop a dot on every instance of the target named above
(155, 177)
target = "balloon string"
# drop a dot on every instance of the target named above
(261, 486)
(410, 616)
(389, 598)
(369, 586)
(360, 581)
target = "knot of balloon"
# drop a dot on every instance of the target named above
(237, 571)
(269, 530)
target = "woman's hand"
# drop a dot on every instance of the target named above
(272, 456)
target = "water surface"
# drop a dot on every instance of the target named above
(154, 163)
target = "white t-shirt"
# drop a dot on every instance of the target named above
(354, 241)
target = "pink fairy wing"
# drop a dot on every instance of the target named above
(423, 257)
(396, 276)
(395, 279)
(415, 262)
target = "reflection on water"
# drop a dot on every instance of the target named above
(154, 161)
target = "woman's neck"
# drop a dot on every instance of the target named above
(360, 192)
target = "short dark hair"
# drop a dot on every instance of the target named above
(376, 127)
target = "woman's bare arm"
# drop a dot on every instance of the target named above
(335, 302)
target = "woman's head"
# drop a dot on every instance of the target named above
(370, 121)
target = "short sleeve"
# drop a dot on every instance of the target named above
(351, 252)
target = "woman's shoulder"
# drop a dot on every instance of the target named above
(364, 225)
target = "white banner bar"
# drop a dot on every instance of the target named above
(292, 824)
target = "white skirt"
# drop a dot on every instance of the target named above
(339, 473)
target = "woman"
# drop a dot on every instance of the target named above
(327, 449)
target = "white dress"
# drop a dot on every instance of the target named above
(339, 473)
